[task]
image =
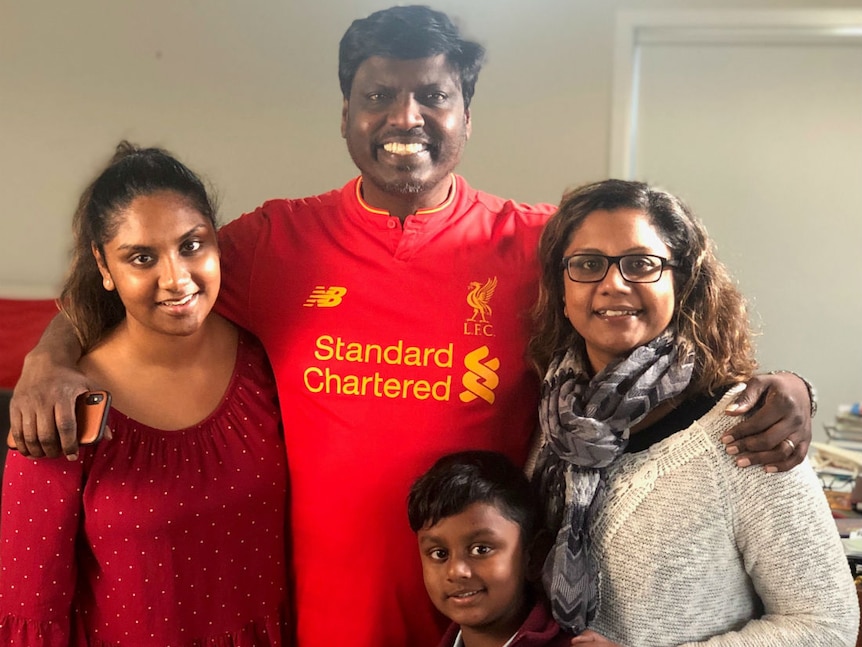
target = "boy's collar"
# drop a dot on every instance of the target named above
(459, 642)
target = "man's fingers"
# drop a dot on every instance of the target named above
(777, 409)
(761, 447)
(67, 427)
(785, 457)
(16, 432)
(791, 458)
(745, 401)
(40, 429)
(775, 435)
(32, 444)
(25, 439)
(762, 430)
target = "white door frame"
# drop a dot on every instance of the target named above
(633, 28)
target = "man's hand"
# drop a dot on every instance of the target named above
(42, 411)
(592, 638)
(778, 433)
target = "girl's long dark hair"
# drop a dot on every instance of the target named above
(132, 172)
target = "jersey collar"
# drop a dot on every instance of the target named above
(453, 191)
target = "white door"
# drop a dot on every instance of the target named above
(758, 126)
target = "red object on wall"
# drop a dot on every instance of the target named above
(21, 324)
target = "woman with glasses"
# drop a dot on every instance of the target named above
(659, 539)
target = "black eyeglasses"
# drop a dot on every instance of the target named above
(634, 268)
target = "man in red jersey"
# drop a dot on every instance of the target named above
(394, 311)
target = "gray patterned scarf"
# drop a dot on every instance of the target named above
(585, 426)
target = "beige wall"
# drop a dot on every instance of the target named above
(246, 92)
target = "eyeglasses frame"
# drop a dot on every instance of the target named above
(615, 260)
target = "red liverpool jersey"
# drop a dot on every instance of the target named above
(392, 345)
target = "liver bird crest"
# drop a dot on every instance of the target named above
(479, 298)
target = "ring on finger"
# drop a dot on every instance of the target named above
(790, 444)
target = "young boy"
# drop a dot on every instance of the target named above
(476, 521)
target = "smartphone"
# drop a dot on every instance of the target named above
(91, 415)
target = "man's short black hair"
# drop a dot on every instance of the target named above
(405, 33)
(459, 480)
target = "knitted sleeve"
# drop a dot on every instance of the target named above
(792, 552)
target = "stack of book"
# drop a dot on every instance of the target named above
(838, 463)
(847, 428)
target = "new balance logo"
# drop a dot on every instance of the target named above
(324, 297)
(481, 378)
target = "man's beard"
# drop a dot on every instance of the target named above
(406, 187)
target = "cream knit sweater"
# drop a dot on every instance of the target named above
(693, 550)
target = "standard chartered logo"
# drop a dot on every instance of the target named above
(347, 367)
(481, 377)
(344, 368)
